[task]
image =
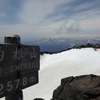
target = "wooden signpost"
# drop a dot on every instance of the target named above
(19, 65)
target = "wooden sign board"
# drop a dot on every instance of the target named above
(19, 65)
(7, 59)
(11, 85)
(29, 79)
(28, 58)
(15, 59)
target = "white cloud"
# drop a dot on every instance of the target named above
(69, 27)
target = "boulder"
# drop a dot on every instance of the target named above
(85, 87)
(97, 46)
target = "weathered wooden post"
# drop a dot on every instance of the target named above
(13, 39)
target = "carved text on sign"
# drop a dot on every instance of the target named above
(1, 55)
(11, 85)
(33, 54)
(20, 67)
(18, 54)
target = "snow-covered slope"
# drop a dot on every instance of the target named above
(57, 66)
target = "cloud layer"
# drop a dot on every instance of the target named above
(69, 27)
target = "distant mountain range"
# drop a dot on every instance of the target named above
(59, 43)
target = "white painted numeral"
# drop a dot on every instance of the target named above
(1, 55)
(17, 83)
(1, 88)
(24, 81)
(9, 86)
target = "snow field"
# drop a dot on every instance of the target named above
(57, 66)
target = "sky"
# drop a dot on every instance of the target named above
(35, 19)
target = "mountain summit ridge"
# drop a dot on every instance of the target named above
(61, 43)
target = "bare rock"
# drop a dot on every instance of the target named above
(86, 87)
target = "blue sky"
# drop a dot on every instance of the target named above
(32, 19)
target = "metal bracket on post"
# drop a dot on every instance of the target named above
(13, 39)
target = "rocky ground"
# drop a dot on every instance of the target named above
(86, 87)
(96, 46)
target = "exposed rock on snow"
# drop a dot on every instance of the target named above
(95, 47)
(86, 87)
